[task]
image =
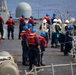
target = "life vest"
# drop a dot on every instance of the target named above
(44, 28)
(59, 28)
(53, 28)
(40, 38)
(9, 22)
(23, 33)
(30, 20)
(31, 39)
(1, 20)
(29, 31)
(22, 21)
(63, 28)
(0, 16)
(0, 39)
(46, 18)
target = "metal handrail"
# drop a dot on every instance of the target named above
(34, 72)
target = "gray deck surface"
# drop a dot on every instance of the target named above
(51, 56)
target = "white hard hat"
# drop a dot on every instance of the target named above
(44, 21)
(72, 20)
(55, 20)
(59, 20)
(67, 21)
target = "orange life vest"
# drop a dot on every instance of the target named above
(23, 33)
(9, 22)
(40, 38)
(30, 20)
(1, 20)
(31, 39)
(22, 21)
(0, 40)
(46, 18)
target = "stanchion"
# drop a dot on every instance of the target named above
(71, 68)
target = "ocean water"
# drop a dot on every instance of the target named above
(64, 8)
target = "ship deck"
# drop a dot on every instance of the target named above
(52, 56)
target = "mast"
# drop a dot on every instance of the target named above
(4, 9)
(3, 5)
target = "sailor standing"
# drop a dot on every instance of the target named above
(34, 48)
(31, 20)
(68, 40)
(57, 35)
(53, 40)
(62, 35)
(47, 18)
(24, 43)
(44, 28)
(1, 26)
(21, 24)
(43, 45)
(10, 27)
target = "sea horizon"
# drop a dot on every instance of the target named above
(63, 8)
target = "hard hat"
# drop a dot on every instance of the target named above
(29, 25)
(55, 20)
(47, 14)
(31, 17)
(44, 21)
(10, 17)
(42, 34)
(22, 15)
(25, 27)
(71, 27)
(54, 14)
(59, 20)
(33, 30)
(66, 21)
(72, 20)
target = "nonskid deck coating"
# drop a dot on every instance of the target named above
(51, 56)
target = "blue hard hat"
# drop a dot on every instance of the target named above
(47, 14)
(71, 27)
(10, 17)
(25, 27)
(42, 34)
(54, 14)
(22, 15)
(33, 30)
(29, 25)
(31, 17)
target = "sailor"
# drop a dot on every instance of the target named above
(53, 40)
(62, 35)
(58, 31)
(34, 48)
(54, 17)
(44, 28)
(1, 26)
(43, 45)
(31, 20)
(47, 18)
(29, 28)
(10, 27)
(24, 43)
(21, 24)
(68, 40)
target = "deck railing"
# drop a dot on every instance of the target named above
(34, 71)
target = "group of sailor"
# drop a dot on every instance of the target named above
(10, 27)
(33, 46)
(62, 33)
